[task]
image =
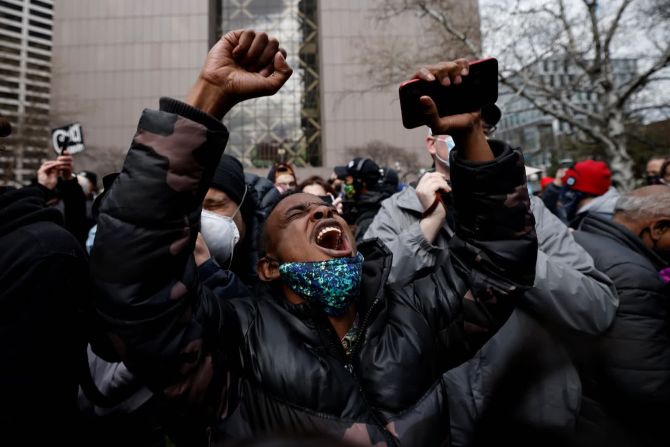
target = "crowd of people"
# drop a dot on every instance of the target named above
(189, 302)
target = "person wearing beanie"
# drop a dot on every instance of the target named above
(233, 213)
(588, 188)
(222, 221)
(229, 178)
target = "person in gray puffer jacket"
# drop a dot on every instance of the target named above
(523, 378)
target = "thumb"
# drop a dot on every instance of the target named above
(282, 71)
(430, 112)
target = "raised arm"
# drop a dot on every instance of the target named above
(164, 324)
(495, 246)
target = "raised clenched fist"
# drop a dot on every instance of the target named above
(242, 65)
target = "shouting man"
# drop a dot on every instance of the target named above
(325, 344)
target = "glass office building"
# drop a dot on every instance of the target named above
(288, 124)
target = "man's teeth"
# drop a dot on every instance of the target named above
(326, 230)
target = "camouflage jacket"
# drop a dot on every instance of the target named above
(257, 364)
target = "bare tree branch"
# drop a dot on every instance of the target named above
(581, 39)
(615, 25)
(448, 26)
(572, 51)
(639, 82)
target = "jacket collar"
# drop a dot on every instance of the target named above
(408, 201)
(595, 224)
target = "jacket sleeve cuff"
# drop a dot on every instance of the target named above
(490, 198)
(207, 269)
(505, 172)
(177, 107)
(417, 238)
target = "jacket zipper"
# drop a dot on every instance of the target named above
(378, 420)
(335, 345)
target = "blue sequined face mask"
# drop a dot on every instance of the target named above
(333, 284)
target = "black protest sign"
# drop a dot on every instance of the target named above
(70, 137)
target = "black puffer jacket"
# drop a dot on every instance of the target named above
(367, 207)
(43, 281)
(628, 369)
(252, 365)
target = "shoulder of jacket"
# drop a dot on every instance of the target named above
(405, 200)
(609, 255)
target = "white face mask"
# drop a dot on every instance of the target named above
(449, 142)
(220, 234)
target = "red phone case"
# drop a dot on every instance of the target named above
(479, 88)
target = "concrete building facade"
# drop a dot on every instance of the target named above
(25, 85)
(112, 58)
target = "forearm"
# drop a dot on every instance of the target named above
(432, 224)
(495, 229)
(472, 143)
(495, 243)
(209, 98)
(142, 259)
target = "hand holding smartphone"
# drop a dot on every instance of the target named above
(476, 89)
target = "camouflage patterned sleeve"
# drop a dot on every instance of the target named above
(163, 324)
(495, 242)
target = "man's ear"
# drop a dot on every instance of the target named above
(267, 269)
(430, 142)
(658, 228)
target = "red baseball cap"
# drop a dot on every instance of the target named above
(545, 181)
(589, 176)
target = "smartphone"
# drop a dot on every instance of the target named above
(479, 88)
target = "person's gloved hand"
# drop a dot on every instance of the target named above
(242, 65)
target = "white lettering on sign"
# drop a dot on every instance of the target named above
(68, 137)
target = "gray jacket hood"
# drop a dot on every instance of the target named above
(603, 204)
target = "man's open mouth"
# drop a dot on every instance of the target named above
(331, 239)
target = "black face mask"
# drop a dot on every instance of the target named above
(570, 200)
(653, 179)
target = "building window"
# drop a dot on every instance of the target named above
(13, 6)
(44, 15)
(44, 5)
(39, 35)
